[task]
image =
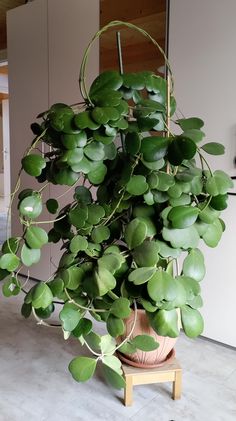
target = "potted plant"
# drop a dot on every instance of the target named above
(143, 197)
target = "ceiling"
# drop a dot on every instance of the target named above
(6, 5)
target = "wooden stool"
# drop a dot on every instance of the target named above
(171, 372)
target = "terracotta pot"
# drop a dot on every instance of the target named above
(165, 352)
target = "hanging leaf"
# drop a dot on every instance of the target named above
(30, 256)
(100, 234)
(146, 254)
(162, 286)
(121, 308)
(192, 321)
(52, 205)
(41, 296)
(194, 134)
(69, 317)
(113, 378)
(194, 266)
(165, 323)
(10, 245)
(219, 183)
(181, 238)
(105, 281)
(33, 164)
(95, 151)
(36, 237)
(9, 261)
(78, 243)
(31, 206)
(190, 123)
(183, 216)
(76, 140)
(83, 121)
(214, 148)
(11, 287)
(137, 185)
(132, 143)
(135, 233)
(154, 148)
(72, 277)
(83, 328)
(109, 79)
(82, 368)
(115, 326)
(181, 148)
(219, 202)
(191, 286)
(145, 343)
(97, 175)
(141, 275)
(213, 233)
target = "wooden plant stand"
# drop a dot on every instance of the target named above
(171, 372)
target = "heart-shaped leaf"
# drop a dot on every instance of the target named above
(194, 266)
(115, 326)
(82, 368)
(181, 238)
(52, 205)
(181, 148)
(214, 148)
(110, 79)
(31, 206)
(78, 243)
(190, 123)
(146, 254)
(105, 281)
(165, 323)
(30, 256)
(154, 148)
(83, 328)
(192, 321)
(145, 343)
(183, 216)
(9, 261)
(69, 317)
(137, 185)
(162, 286)
(213, 233)
(97, 175)
(100, 234)
(33, 164)
(141, 275)
(219, 183)
(72, 277)
(41, 296)
(121, 308)
(135, 233)
(36, 237)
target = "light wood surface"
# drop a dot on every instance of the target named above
(171, 372)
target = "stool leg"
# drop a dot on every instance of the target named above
(128, 391)
(177, 385)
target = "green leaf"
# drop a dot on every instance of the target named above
(95, 213)
(154, 165)
(167, 251)
(181, 148)
(3, 274)
(30, 256)
(115, 326)
(83, 195)
(76, 140)
(26, 310)
(214, 148)
(219, 202)
(110, 151)
(165, 181)
(41, 296)
(141, 275)
(127, 348)
(132, 143)
(121, 308)
(11, 287)
(78, 243)
(45, 313)
(100, 234)
(190, 123)
(213, 234)
(191, 286)
(31, 206)
(69, 317)
(103, 114)
(10, 245)
(33, 164)
(95, 151)
(165, 323)
(113, 378)
(97, 175)
(110, 79)
(72, 277)
(208, 214)
(82, 368)
(107, 98)
(36, 237)
(194, 266)
(192, 321)
(111, 261)
(154, 148)
(83, 328)
(135, 233)
(52, 205)
(194, 134)
(83, 121)
(162, 286)
(219, 183)
(56, 286)
(181, 238)
(78, 216)
(137, 185)
(9, 261)
(146, 254)
(183, 216)
(145, 343)
(105, 281)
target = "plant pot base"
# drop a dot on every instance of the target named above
(126, 360)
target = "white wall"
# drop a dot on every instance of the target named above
(46, 41)
(202, 56)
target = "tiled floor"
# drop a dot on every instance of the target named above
(36, 386)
